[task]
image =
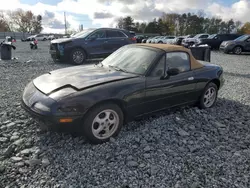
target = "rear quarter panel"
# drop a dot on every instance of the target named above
(205, 75)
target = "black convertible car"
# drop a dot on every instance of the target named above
(134, 81)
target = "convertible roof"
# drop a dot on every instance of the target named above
(174, 48)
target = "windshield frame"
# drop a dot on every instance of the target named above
(133, 46)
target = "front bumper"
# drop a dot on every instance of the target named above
(49, 118)
(226, 49)
(57, 54)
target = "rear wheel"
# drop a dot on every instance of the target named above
(209, 96)
(78, 56)
(160, 42)
(103, 122)
(237, 50)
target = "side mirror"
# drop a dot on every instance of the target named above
(173, 72)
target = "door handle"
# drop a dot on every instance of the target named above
(191, 78)
(105, 41)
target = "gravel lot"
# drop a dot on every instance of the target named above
(183, 148)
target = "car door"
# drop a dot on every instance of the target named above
(172, 90)
(96, 43)
(115, 40)
(247, 44)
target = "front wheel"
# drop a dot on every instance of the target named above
(209, 96)
(103, 122)
(237, 50)
(78, 56)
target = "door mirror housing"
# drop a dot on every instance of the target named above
(170, 72)
(173, 71)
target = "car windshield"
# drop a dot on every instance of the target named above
(242, 38)
(212, 36)
(83, 34)
(134, 59)
(197, 36)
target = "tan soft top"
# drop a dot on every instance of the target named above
(173, 48)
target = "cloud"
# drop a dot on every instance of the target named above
(238, 11)
(106, 12)
(102, 15)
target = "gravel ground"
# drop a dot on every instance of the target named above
(181, 148)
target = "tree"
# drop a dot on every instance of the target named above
(3, 23)
(245, 29)
(37, 24)
(26, 21)
(128, 23)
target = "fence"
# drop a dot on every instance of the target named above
(19, 35)
(16, 35)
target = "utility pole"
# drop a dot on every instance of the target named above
(65, 23)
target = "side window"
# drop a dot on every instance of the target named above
(98, 35)
(114, 34)
(179, 60)
(120, 34)
(203, 36)
(159, 68)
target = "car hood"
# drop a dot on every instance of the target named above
(228, 42)
(78, 78)
(62, 40)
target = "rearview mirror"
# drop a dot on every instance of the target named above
(173, 71)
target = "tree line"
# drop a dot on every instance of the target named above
(184, 24)
(20, 21)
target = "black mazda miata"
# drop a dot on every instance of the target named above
(134, 81)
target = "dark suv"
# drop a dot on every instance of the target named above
(237, 46)
(215, 40)
(91, 43)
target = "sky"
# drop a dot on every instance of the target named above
(104, 13)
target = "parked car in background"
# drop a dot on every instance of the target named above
(146, 39)
(51, 37)
(162, 39)
(41, 37)
(237, 46)
(187, 42)
(90, 43)
(215, 40)
(151, 40)
(169, 39)
(139, 38)
(178, 40)
(134, 81)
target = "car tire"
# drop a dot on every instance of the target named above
(237, 50)
(78, 56)
(160, 42)
(209, 96)
(105, 117)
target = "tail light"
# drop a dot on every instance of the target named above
(133, 39)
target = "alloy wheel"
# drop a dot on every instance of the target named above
(105, 124)
(238, 50)
(209, 97)
(78, 57)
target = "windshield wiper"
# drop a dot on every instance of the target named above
(118, 68)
